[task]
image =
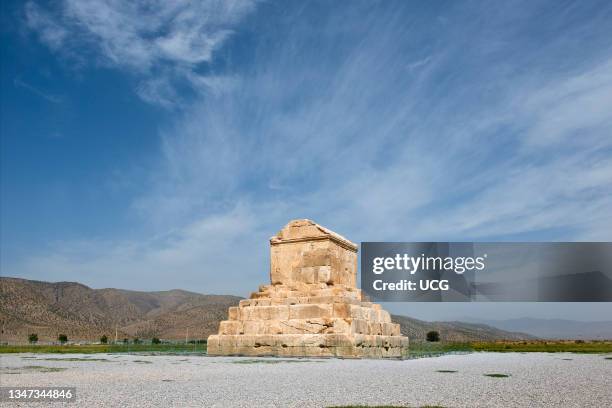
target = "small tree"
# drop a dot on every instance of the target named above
(125, 341)
(155, 340)
(433, 336)
(33, 338)
(62, 338)
(136, 340)
(104, 339)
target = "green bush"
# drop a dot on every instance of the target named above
(155, 340)
(433, 336)
(104, 339)
(62, 338)
(33, 338)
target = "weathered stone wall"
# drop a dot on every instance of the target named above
(312, 306)
(304, 252)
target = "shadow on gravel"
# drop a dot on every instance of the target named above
(72, 359)
(496, 375)
(30, 368)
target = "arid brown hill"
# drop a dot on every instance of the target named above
(83, 313)
(417, 330)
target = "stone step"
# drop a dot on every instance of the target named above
(300, 300)
(308, 326)
(308, 345)
(372, 313)
(300, 290)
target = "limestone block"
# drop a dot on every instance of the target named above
(312, 274)
(305, 274)
(265, 312)
(359, 326)
(301, 326)
(309, 311)
(261, 302)
(342, 310)
(371, 314)
(317, 257)
(363, 313)
(324, 274)
(253, 326)
(230, 327)
(383, 316)
(375, 328)
(340, 326)
(233, 313)
(390, 329)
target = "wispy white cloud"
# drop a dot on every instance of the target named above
(163, 41)
(573, 111)
(158, 91)
(51, 32)
(49, 97)
(160, 258)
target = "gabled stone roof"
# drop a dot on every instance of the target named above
(304, 230)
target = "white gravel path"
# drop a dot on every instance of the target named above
(536, 379)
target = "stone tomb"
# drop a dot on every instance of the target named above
(312, 306)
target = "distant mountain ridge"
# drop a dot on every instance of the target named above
(555, 328)
(83, 313)
(455, 331)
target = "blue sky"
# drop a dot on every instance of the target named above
(154, 145)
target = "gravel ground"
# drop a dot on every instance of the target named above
(535, 379)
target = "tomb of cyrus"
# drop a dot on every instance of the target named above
(312, 306)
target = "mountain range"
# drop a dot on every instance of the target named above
(85, 314)
(554, 328)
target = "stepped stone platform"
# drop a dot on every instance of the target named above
(312, 306)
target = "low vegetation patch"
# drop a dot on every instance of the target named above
(545, 346)
(142, 362)
(446, 371)
(43, 369)
(435, 349)
(37, 368)
(415, 350)
(104, 348)
(72, 359)
(497, 375)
